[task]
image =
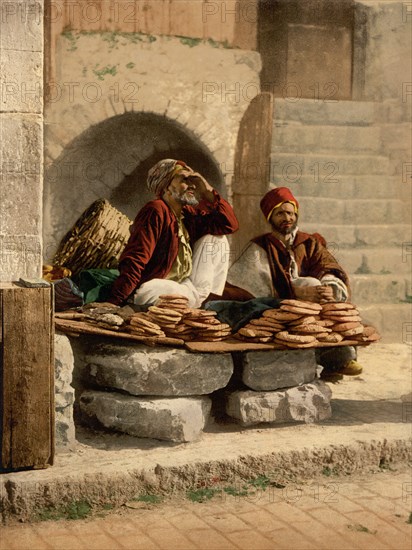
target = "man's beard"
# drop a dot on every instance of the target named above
(184, 198)
(284, 230)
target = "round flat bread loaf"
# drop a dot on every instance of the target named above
(341, 327)
(280, 315)
(219, 327)
(271, 329)
(313, 306)
(145, 332)
(368, 330)
(183, 310)
(201, 324)
(163, 320)
(326, 322)
(352, 331)
(296, 345)
(252, 333)
(350, 319)
(163, 311)
(332, 338)
(335, 306)
(214, 334)
(196, 313)
(142, 322)
(267, 322)
(373, 337)
(298, 310)
(340, 313)
(181, 329)
(310, 329)
(295, 338)
(310, 319)
(173, 297)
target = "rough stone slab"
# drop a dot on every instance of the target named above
(20, 192)
(350, 211)
(338, 164)
(306, 403)
(315, 112)
(322, 184)
(144, 370)
(22, 26)
(369, 289)
(178, 419)
(21, 136)
(384, 236)
(22, 81)
(20, 255)
(64, 392)
(305, 138)
(276, 369)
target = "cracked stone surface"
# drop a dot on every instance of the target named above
(276, 369)
(177, 419)
(157, 371)
(306, 403)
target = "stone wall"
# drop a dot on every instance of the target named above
(195, 85)
(21, 137)
(385, 34)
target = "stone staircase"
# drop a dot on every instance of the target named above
(331, 155)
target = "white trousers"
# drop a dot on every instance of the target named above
(210, 264)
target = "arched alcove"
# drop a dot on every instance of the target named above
(111, 160)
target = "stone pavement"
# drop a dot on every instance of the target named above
(370, 429)
(367, 512)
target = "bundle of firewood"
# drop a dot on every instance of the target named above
(301, 324)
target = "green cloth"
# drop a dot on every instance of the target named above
(96, 283)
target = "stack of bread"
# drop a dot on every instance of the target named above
(109, 321)
(294, 324)
(204, 326)
(141, 324)
(345, 321)
(306, 329)
(172, 314)
(301, 324)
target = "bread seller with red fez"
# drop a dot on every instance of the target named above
(288, 263)
(177, 242)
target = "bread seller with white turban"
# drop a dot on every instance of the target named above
(177, 242)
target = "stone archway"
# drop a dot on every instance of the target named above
(110, 160)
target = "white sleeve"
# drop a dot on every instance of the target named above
(340, 290)
(251, 271)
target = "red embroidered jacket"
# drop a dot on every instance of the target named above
(153, 244)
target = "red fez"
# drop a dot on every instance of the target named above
(276, 197)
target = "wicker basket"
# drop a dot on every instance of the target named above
(96, 240)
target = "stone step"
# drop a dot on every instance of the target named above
(345, 236)
(393, 321)
(379, 289)
(178, 419)
(291, 166)
(351, 211)
(299, 138)
(309, 111)
(321, 184)
(373, 261)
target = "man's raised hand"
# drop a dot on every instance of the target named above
(203, 189)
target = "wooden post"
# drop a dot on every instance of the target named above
(26, 377)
